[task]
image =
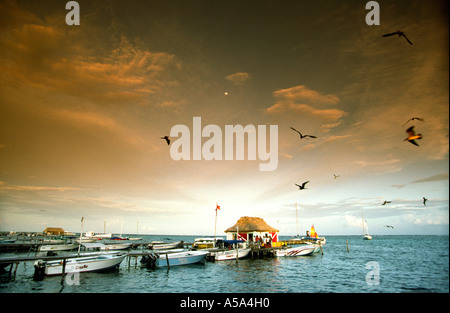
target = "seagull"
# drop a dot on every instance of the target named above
(302, 186)
(336, 176)
(412, 136)
(302, 136)
(412, 119)
(400, 34)
(425, 201)
(385, 202)
(167, 139)
(389, 226)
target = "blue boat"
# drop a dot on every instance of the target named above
(180, 258)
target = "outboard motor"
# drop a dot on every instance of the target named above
(39, 270)
(149, 260)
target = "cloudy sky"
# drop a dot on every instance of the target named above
(82, 110)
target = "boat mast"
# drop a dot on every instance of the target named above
(296, 216)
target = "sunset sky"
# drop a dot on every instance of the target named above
(82, 110)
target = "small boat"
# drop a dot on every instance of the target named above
(118, 238)
(298, 251)
(93, 235)
(91, 263)
(85, 240)
(97, 246)
(7, 241)
(180, 258)
(134, 238)
(313, 238)
(231, 254)
(66, 247)
(204, 243)
(161, 245)
(118, 246)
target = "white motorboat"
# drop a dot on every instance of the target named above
(97, 246)
(90, 263)
(180, 258)
(298, 251)
(231, 254)
(94, 235)
(161, 245)
(66, 247)
(117, 246)
(205, 243)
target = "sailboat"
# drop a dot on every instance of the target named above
(366, 235)
(137, 232)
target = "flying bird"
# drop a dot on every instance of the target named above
(389, 226)
(425, 201)
(386, 202)
(412, 119)
(167, 139)
(302, 136)
(336, 176)
(400, 34)
(302, 186)
(412, 136)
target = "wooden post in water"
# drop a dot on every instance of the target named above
(167, 260)
(347, 247)
(63, 271)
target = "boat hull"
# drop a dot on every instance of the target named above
(119, 246)
(94, 263)
(68, 247)
(164, 246)
(182, 258)
(298, 251)
(231, 254)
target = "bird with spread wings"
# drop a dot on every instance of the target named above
(400, 34)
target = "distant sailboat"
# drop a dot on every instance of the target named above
(366, 235)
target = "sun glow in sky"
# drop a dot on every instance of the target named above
(82, 110)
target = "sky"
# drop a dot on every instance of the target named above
(83, 109)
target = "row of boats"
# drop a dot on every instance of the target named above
(101, 257)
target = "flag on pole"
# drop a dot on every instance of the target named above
(217, 207)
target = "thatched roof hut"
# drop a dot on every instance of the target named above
(53, 231)
(248, 224)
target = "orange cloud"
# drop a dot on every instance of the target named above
(300, 99)
(47, 56)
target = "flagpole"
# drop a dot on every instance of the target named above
(81, 233)
(215, 227)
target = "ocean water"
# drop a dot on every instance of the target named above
(386, 264)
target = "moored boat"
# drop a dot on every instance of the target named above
(161, 245)
(66, 247)
(298, 251)
(204, 243)
(180, 258)
(99, 262)
(231, 254)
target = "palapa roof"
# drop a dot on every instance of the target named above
(249, 224)
(57, 229)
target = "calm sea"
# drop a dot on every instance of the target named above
(386, 264)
